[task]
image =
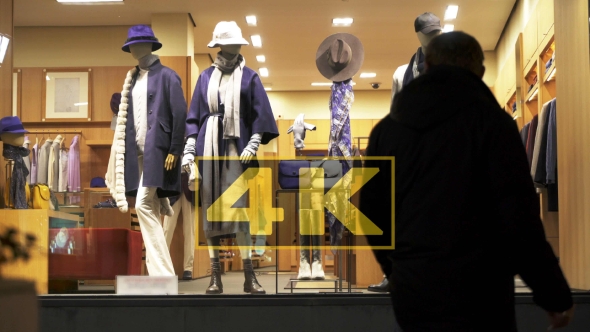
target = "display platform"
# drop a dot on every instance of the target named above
(285, 312)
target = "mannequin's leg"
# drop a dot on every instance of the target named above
(215, 285)
(304, 243)
(317, 225)
(251, 284)
(165, 207)
(170, 223)
(188, 217)
(147, 206)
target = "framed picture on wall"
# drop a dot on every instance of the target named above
(67, 95)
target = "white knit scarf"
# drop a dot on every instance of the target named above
(115, 177)
(231, 119)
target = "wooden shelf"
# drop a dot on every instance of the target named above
(533, 94)
(99, 142)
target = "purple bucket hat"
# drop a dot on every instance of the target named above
(12, 125)
(141, 34)
(115, 101)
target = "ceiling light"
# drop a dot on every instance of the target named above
(263, 72)
(267, 89)
(368, 75)
(256, 41)
(451, 12)
(85, 2)
(260, 58)
(448, 28)
(4, 41)
(251, 20)
(321, 84)
(342, 22)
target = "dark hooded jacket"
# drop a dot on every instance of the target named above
(466, 212)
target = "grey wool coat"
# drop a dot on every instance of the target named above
(165, 133)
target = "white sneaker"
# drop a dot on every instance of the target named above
(317, 272)
(304, 270)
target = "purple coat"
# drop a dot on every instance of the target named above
(165, 134)
(255, 113)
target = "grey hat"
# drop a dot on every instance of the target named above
(340, 56)
(426, 23)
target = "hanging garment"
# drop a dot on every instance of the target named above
(524, 133)
(415, 67)
(53, 164)
(74, 169)
(538, 171)
(43, 162)
(26, 159)
(63, 171)
(530, 142)
(551, 163)
(34, 158)
(17, 191)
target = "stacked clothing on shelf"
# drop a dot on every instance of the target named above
(540, 139)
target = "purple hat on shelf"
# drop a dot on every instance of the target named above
(141, 34)
(115, 101)
(11, 125)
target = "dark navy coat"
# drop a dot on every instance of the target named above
(255, 113)
(165, 134)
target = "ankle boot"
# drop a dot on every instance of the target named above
(251, 285)
(215, 285)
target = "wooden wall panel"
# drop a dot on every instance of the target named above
(573, 139)
(179, 65)
(107, 80)
(31, 95)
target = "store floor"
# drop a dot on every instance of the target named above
(233, 284)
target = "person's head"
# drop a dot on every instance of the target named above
(455, 49)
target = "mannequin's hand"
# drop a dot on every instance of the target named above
(187, 159)
(171, 161)
(246, 157)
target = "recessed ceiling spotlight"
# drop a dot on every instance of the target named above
(368, 75)
(260, 58)
(267, 89)
(263, 72)
(448, 28)
(451, 12)
(325, 83)
(342, 22)
(256, 40)
(251, 20)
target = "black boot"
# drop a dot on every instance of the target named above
(251, 285)
(215, 286)
(382, 287)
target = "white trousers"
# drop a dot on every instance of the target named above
(188, 229)
(147, 206)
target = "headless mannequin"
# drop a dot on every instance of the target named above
(242, 238)
(140, 52)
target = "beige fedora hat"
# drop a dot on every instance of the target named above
(340, 56)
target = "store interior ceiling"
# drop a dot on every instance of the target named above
(291, 31)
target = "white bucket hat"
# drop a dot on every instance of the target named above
(227, 33)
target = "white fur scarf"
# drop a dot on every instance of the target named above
(115, 177)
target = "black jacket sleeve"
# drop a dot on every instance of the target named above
(519, 214)
(376, 200)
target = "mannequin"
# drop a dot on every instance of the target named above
(184, 202)
(427, 27)
(229, 100)
(12, 134)
(150, 127)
